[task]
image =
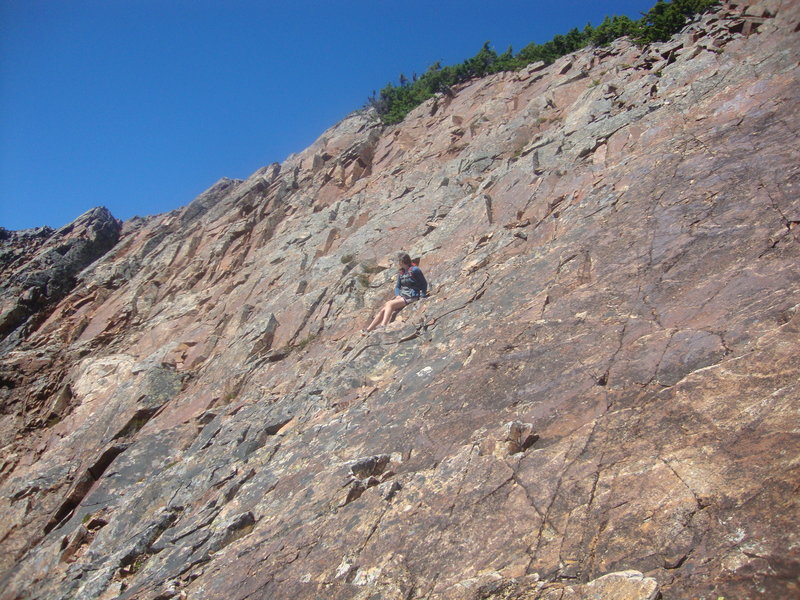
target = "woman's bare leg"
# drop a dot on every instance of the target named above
(385, 313)
(376, 321)
(391, 307)
(379, 317)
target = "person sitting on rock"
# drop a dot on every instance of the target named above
(410, 286)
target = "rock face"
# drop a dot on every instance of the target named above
(599, 400)
(39, 267)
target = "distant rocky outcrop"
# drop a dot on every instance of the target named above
(39, 267)
(598, 400)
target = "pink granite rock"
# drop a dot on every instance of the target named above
(599, 397)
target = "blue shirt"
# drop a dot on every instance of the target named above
(411, 283)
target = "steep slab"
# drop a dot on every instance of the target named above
(599, 399)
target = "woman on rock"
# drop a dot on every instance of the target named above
(409, 287)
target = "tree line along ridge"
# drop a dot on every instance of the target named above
(658, 24)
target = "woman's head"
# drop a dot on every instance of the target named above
(404, 260)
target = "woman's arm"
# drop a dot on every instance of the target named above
(419, 280)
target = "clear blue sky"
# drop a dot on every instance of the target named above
(140, 105)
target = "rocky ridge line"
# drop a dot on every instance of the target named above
(39, 267)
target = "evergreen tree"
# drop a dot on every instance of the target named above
(393, 103)
(613, 28)
(665, 19)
